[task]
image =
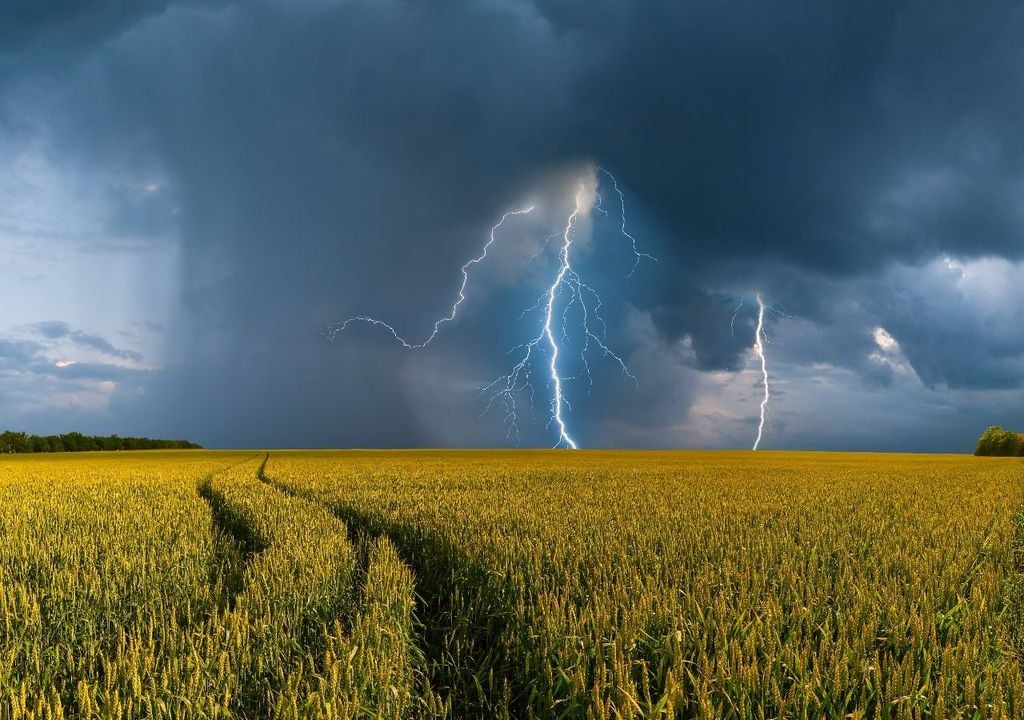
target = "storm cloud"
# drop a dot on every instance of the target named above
(860, 164)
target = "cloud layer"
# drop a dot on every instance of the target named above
(860, 165)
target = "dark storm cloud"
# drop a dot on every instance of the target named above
(57, 330)
(952, 334)
(332, 158)
(16, 354)
(832, 137)
(46, 31)
(136, 213)
(324, 400)
(32, 356)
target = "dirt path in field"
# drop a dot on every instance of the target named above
(235, 547)
(460, 648)
(360, 540)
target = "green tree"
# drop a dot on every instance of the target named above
(988, 443)
(1009, 444)
(997, 441)
(19, 442)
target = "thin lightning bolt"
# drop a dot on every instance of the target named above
(334, 329)
(732, 323)
(759, 338)
(622, 216)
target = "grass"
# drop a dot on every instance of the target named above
(511, 584)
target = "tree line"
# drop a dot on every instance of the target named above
(996, 441)
(19, 442)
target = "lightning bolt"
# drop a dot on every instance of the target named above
(334, 329)
(564, 269)
(508, 389)
(637, 255)
(567, 299)
(732, 323)
(759, 342)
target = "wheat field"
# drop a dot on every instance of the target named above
(197, 584)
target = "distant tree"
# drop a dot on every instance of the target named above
(73, 442)
(988, 443)
(6, 442)
(14, 442)
(22, 443)
(1009, 445)
(997, 441)
(19, 442)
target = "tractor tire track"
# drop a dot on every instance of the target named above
(444, 630)
(234, 544)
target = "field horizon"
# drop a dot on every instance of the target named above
(555, 452)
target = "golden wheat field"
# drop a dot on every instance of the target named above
(197, 584)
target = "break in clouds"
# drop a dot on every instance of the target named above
(192, 189)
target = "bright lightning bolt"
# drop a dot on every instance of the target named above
(564, 268)
(566, 298)
(759, 338)
(334, 329)
(508, 388)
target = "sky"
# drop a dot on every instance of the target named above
(192, 191)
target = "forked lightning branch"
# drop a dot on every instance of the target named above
(568, 315)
